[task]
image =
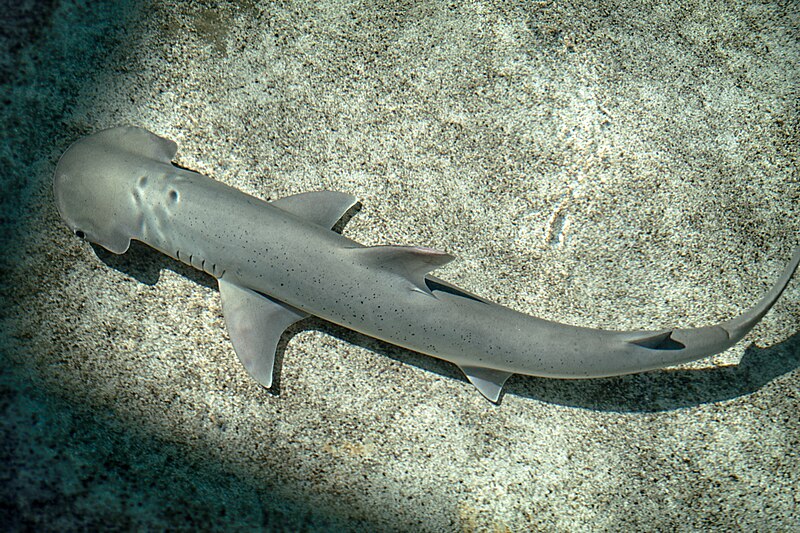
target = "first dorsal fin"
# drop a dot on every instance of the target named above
(324, 208)
(410, 262)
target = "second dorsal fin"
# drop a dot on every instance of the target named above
(655, 340)
(410, 262)
(324, 208)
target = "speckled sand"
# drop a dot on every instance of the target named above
(613, 165)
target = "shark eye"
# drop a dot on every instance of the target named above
(80, 234)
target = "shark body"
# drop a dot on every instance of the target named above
(278, 262)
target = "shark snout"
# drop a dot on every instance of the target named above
(93, 187)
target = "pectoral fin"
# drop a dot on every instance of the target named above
(488, 381)
(255, 324)
(324, 208)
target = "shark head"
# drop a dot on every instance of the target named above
(95, 183)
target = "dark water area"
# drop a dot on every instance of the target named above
(65, 466)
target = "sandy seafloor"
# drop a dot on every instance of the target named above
(606, 164)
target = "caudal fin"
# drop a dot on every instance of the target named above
(739, 326)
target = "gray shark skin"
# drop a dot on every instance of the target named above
(279, 262)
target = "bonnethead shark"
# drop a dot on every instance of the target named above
(279, 262)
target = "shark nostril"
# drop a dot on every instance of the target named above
(80, 234)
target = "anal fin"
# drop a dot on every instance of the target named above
(487, 380)
(255, 324)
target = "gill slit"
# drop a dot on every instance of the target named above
(212, 271)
